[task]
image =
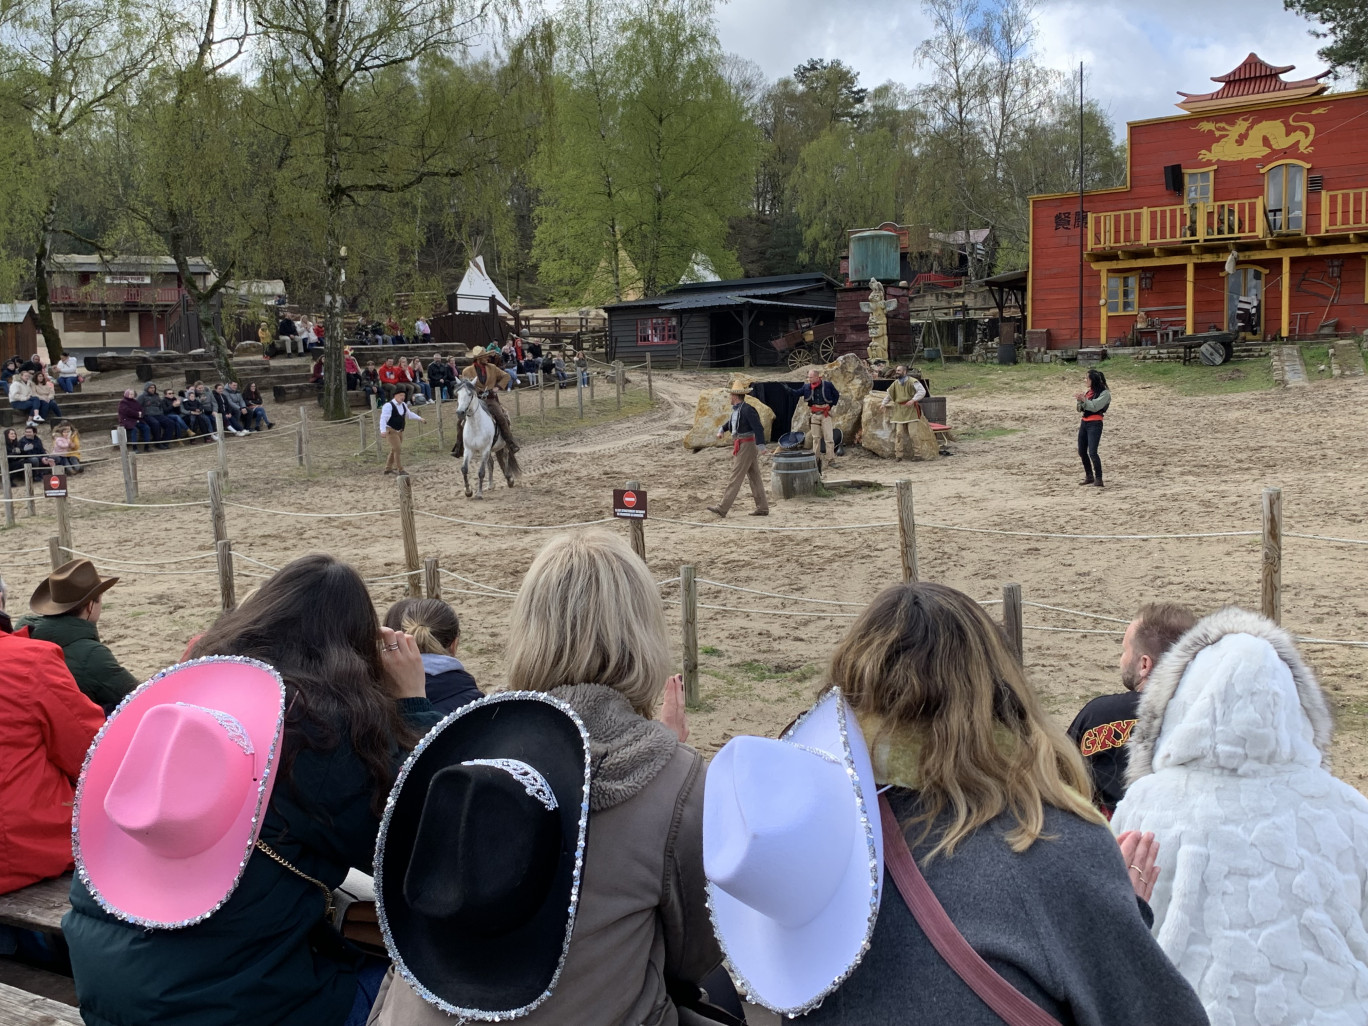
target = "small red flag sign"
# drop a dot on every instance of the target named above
(629, 504)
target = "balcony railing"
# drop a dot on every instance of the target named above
(1178, 224)
(1345, 210)
(115, 295)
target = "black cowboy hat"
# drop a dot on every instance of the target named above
(480, 855)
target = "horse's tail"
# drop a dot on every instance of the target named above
(511, 462)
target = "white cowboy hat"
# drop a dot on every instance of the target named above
(793, 859)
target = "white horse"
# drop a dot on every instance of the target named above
(478, 439)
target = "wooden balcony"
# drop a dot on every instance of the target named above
(114, 295)
(1178, 225)
(1345, 210)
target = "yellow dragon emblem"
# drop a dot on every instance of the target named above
(1245, 140)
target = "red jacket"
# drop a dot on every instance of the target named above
(389, 375)
(46, 726)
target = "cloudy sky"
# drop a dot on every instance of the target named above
(1137, 55)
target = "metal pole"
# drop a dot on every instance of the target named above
(1011, 619)
(688, 591)
(410, 533)
(907, 531)
(1270, 571)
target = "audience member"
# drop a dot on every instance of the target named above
(582, 368)
(164, 429)
(558, 366)
(350, 368)
(131, 419)
(255, 405)
(355, 706)
(64, 610)
(289, 334)
(9, 370)
(45, 390)
(592, 633)
(436, 629)
(195, 409)
(14, 463)
(1103, 727)
(440, 376)
(423, 330)
(31, 451)
(370, 382)
(230, 410)
(68, 373)
(23, 399)
(46, 725)
(66, 447)
(989, 796)
(1264, 908)
(390, 377)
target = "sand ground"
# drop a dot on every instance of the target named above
(1173, 463)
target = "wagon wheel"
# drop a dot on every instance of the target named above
(826, 349)
(799, 358)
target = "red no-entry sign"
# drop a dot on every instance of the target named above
(629, 504)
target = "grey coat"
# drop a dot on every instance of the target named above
(1059, 921)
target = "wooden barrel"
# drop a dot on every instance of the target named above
(933, 408)
(793, 472)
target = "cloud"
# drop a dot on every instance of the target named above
(1137, 56)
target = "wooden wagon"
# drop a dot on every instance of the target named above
(808, 343)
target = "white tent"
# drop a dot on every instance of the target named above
(472, 295)
(700, 270)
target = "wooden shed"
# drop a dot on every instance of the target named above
(719, 323)
(18, 330)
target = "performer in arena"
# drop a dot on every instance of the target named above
(904, 397)
(1093, 405)
(822, 398)
(489, 379)
(748, 434)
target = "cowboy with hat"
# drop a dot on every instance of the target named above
(489, 380)
(65, 609)
(479, 861)
(748, 434)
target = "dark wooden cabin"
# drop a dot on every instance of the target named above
(18, 330)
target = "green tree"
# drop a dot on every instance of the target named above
(1345, 24)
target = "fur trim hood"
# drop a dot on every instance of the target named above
(626, 750)
(1231, 692)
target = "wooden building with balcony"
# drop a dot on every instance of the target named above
(117, 302)
(1247, 212)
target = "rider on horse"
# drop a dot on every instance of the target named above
(488, 380)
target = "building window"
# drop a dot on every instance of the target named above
(1285, 197)
(1197, 186)
(657, 331)
(1121, 293)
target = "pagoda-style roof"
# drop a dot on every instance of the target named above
(1254, 81)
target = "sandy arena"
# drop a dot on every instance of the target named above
(1173, 464)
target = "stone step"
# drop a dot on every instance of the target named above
(1346, 360)
(307, 392)
(1288, 368)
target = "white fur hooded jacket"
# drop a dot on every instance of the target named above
(1263, 898)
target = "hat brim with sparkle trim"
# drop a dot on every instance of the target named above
(479, 974)
(791, 969)
(126, 875)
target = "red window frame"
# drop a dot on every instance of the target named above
(657, 331)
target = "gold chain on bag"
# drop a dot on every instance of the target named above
(330, 908)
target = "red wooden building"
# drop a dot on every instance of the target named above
(1248, 212)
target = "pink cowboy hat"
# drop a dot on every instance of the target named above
(174, 788)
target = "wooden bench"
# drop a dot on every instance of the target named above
(38, 907)
(20, 1008)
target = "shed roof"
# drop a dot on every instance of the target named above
(125, 263)
(14, 313)
(698, 295)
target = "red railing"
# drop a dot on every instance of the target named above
(115, 295)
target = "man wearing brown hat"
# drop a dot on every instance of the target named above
(489, 380)
(748, 434)
(65, 609)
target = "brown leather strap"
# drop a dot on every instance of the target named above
(1011, 1006)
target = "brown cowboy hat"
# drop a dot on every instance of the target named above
(69, 587)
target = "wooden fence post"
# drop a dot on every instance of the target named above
(591, 388)
(299, 444)
(541, 396)
(361, 423)
(55, 556)
(304, 438)
(432, 578)
(221, 433)
(28, 491)
(218, 517)
(1270, 570)
(223, 550)
(1011, 619)
(441, 429)
(7, 493)
(907, 531)
(375, 423)
(618, 374)
(636, 529)
(558, 392)
(126, 462)
(63, 518)
(579, 392)
(517, 401)
(410, 532)
(650, 385)
(688, 592)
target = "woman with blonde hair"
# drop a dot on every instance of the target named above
(993, 803)
(591, 632)
(436, 630)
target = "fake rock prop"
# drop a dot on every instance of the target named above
(876, 433)
(713, 410)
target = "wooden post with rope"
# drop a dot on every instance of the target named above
(1270, 569)
(28, 491)
(126, 463)
(375, 423)
(688, 592)
(591, 388)
(221, 432)
(541, 396)
(63, 517)
(7, 493)
(907, 531)
(304, 439)
(441, 428)
(558, 392)
(432, 578)
(636, 529)
(223, 552)
(218, 516)
(299, 444)
(1011, 619)
(650, 384)
(579, 391)
(410, 532)
(618, 374)
(55, 556)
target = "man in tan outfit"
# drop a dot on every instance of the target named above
(748, 434)
(903, 398)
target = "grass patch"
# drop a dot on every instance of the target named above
(1195, 378)
(1316, 357)
(1068, 378)
(709, 650)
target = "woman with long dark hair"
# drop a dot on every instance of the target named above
(1093, 405)
(354, 706)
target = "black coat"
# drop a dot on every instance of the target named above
(750, 424)
(451, 689)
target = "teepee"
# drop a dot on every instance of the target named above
(472, 295)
